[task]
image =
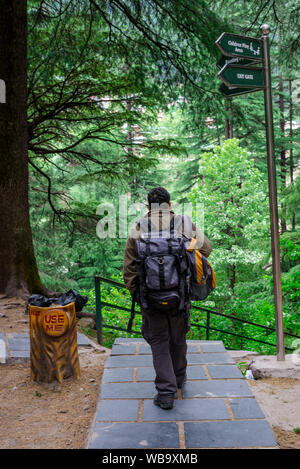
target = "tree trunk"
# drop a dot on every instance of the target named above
(18, 269)
(226, 121)
(282, 155)
(231, 119)
(282, 148)
(291, 149)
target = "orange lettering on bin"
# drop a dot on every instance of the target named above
(55, 323)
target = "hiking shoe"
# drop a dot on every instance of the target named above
(164, 402)
(182, 383)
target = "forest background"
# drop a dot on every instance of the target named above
(123, 97)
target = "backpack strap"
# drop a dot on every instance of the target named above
(192, 245)
(147, 241)
(172, 227)
(204, 264)
(149, 226)
(187, 226)
(145, 225)
(161, 273)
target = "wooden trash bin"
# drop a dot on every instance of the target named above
(53, 343)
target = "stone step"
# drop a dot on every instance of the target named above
(214, 409)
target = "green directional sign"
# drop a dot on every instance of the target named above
(244, 77)
(224, 60)
(230, 91)
(234, 45)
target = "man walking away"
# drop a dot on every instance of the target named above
(155, 271)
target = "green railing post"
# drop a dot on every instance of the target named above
(207, 324)
(98, 310)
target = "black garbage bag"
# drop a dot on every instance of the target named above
(69, 297)
(40, 300)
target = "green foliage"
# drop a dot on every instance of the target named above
(290, 249)
(122, 98)
(112, 316)
(243, 367)
(232, 193)
(258, 311)
(290, 288)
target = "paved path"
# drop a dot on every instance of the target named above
(215, 408)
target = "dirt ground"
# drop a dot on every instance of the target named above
(13, 317)
(42, 415)
(279, 399)
(58, 416)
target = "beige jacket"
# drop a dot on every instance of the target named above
(159, 218)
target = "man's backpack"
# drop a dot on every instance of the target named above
(203, 277)
(163, 273)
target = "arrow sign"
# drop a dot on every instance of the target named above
(234, 45)
(234, 60)
(248, 77)
(235, 91)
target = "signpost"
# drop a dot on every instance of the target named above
(224, 60)
(234, 45)
(265, 29)
(236, 75)
(240, 75)
(230, 91)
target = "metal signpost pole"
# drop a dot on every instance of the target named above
(239, 54)
(265, 29)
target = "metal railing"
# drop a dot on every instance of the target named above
(100, 324)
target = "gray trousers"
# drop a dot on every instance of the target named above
(166, 336)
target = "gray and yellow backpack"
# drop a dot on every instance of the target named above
(171, 269)
(163, 271)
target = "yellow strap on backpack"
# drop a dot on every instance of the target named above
(199, 264)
